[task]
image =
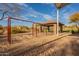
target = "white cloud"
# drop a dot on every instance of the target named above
(15, 11)
(47, 17)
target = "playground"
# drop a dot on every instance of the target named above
(40, 38)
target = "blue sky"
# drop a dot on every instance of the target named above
(38, 12)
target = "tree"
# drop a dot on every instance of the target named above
(74, 18)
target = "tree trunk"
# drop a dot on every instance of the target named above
(77, 28)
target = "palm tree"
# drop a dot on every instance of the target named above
(59, 6)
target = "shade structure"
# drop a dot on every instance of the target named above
(59, 6)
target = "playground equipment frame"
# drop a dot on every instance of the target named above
(9, 27)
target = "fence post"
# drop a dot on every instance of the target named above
(9, 30)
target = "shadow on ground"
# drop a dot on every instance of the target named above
(70, 48)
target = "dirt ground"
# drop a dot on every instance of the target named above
(67, 46)
(46, 45)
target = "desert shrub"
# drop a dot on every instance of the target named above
(1, 29)
(20, 29)
(66, 30)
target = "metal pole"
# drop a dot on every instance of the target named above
(9, 30)
(36, 29)
(33, 29)
(57, 22)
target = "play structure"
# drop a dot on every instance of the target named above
(35, 29)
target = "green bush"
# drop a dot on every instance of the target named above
(18, 31)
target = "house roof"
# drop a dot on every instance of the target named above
(50, 22)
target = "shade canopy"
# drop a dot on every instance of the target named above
(49, 22)
(60, 5)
